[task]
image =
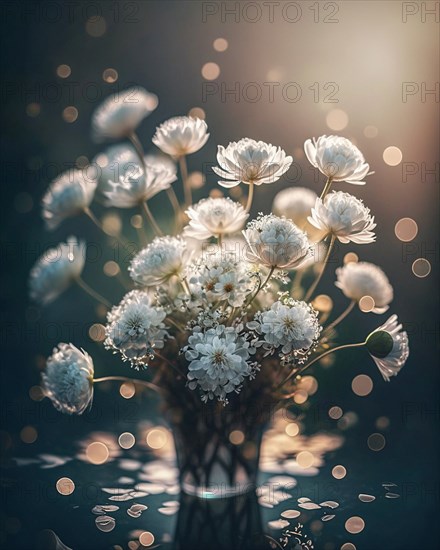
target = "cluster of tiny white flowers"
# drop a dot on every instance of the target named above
(135, 328)
(219, 360)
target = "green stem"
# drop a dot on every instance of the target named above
(82, 284)
(261, 286)
(174, 203)
(328, 352)
(186, 186)
(341, 317)
(326, 189)
(150, 218)
(148, 385)
(250, 197)
(321, 272)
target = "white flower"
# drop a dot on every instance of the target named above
(276, 243)
(181, 135)
(218, 361)
(55, 270)
(68, 379)
(163, 161)
(213, 217)
(345, 217)
(359, 279)
(252, 162)
(292, 325)
(388, 346)
(135, 187)
(121, 113)
(338, 159)
(295, 203)
(162, 259)
(68, 195)
(114, 161)
(135, 328)
(222, 278)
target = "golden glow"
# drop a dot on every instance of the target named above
(351, 257)
(305, 459)
(197, 112)
(97, 453)
(339, 472)
(127, 390)
(336, 120)
(392, 156)
(335, 413)
(126, 440)
(70, 114)
(220, 44)
(236, 437)
(146, 538)
(362, 385)
(112, 224)
(300, 397)
(421, 268)
(292, 429)
(28, 434)
(366, 304)
(196, 180)
(355, 525)
(63, 71)
(406, 229)
(157, 438)
(65, 486)
(136, 221)
(97, 332)
(110, 76)
(111, 268)
(323, 303)
(210, 71)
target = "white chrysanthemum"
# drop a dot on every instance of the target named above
(114, 161)
(291, 326)
(219, 361)
(295, 203)
(121, 113)
(345, 217)
(181, 135)
(68, 379)
(135, 328)
(162, 259)
(213, 217)
(276, 242)
(68, 195)
(252, 162)
(55, 270)
(388, 346)
(135, 187)
(337, 158)
(221, 278)
(163, 161)
(359, 279)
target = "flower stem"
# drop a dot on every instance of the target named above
(186, 186)
(150, 218)
(174, 203)
(321, 272)
(326, 189)
(121, 240)
(138, 147)
(148, 385)
(261, 286)
(250, 197)
(82, 284)
(341, 317)
(328, 352)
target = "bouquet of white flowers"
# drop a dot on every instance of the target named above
(218, 312)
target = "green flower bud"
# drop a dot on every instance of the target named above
(380, 343)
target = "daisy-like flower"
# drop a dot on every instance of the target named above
(359, 279)
(219, 361)
(338, 159)
(162, 259)
(221, 278)
(276, 243)
(214, 217)
(181, 135)
(68, 379)
(290, 325)
(68, 195)
(345, 217)
(121, 113)
(135, 328)
(295, 203)
(388, 346)
(251, 162)
(56, 269)
(135, 186)
(114, 161)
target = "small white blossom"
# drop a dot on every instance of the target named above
(181, 135)
(213, 217)
(290, 325)
(219, 361)
(221, 278)
(114, 161)
(68, 379)
(251, 162)
(337, 158)
(120, 114)
(295, 203)
(388, 346)
(344, 217)
(68, 195)
(56, 269)
(135, 328)
(359, 279)
(135, 187)
(276, 243)
(162, 259)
